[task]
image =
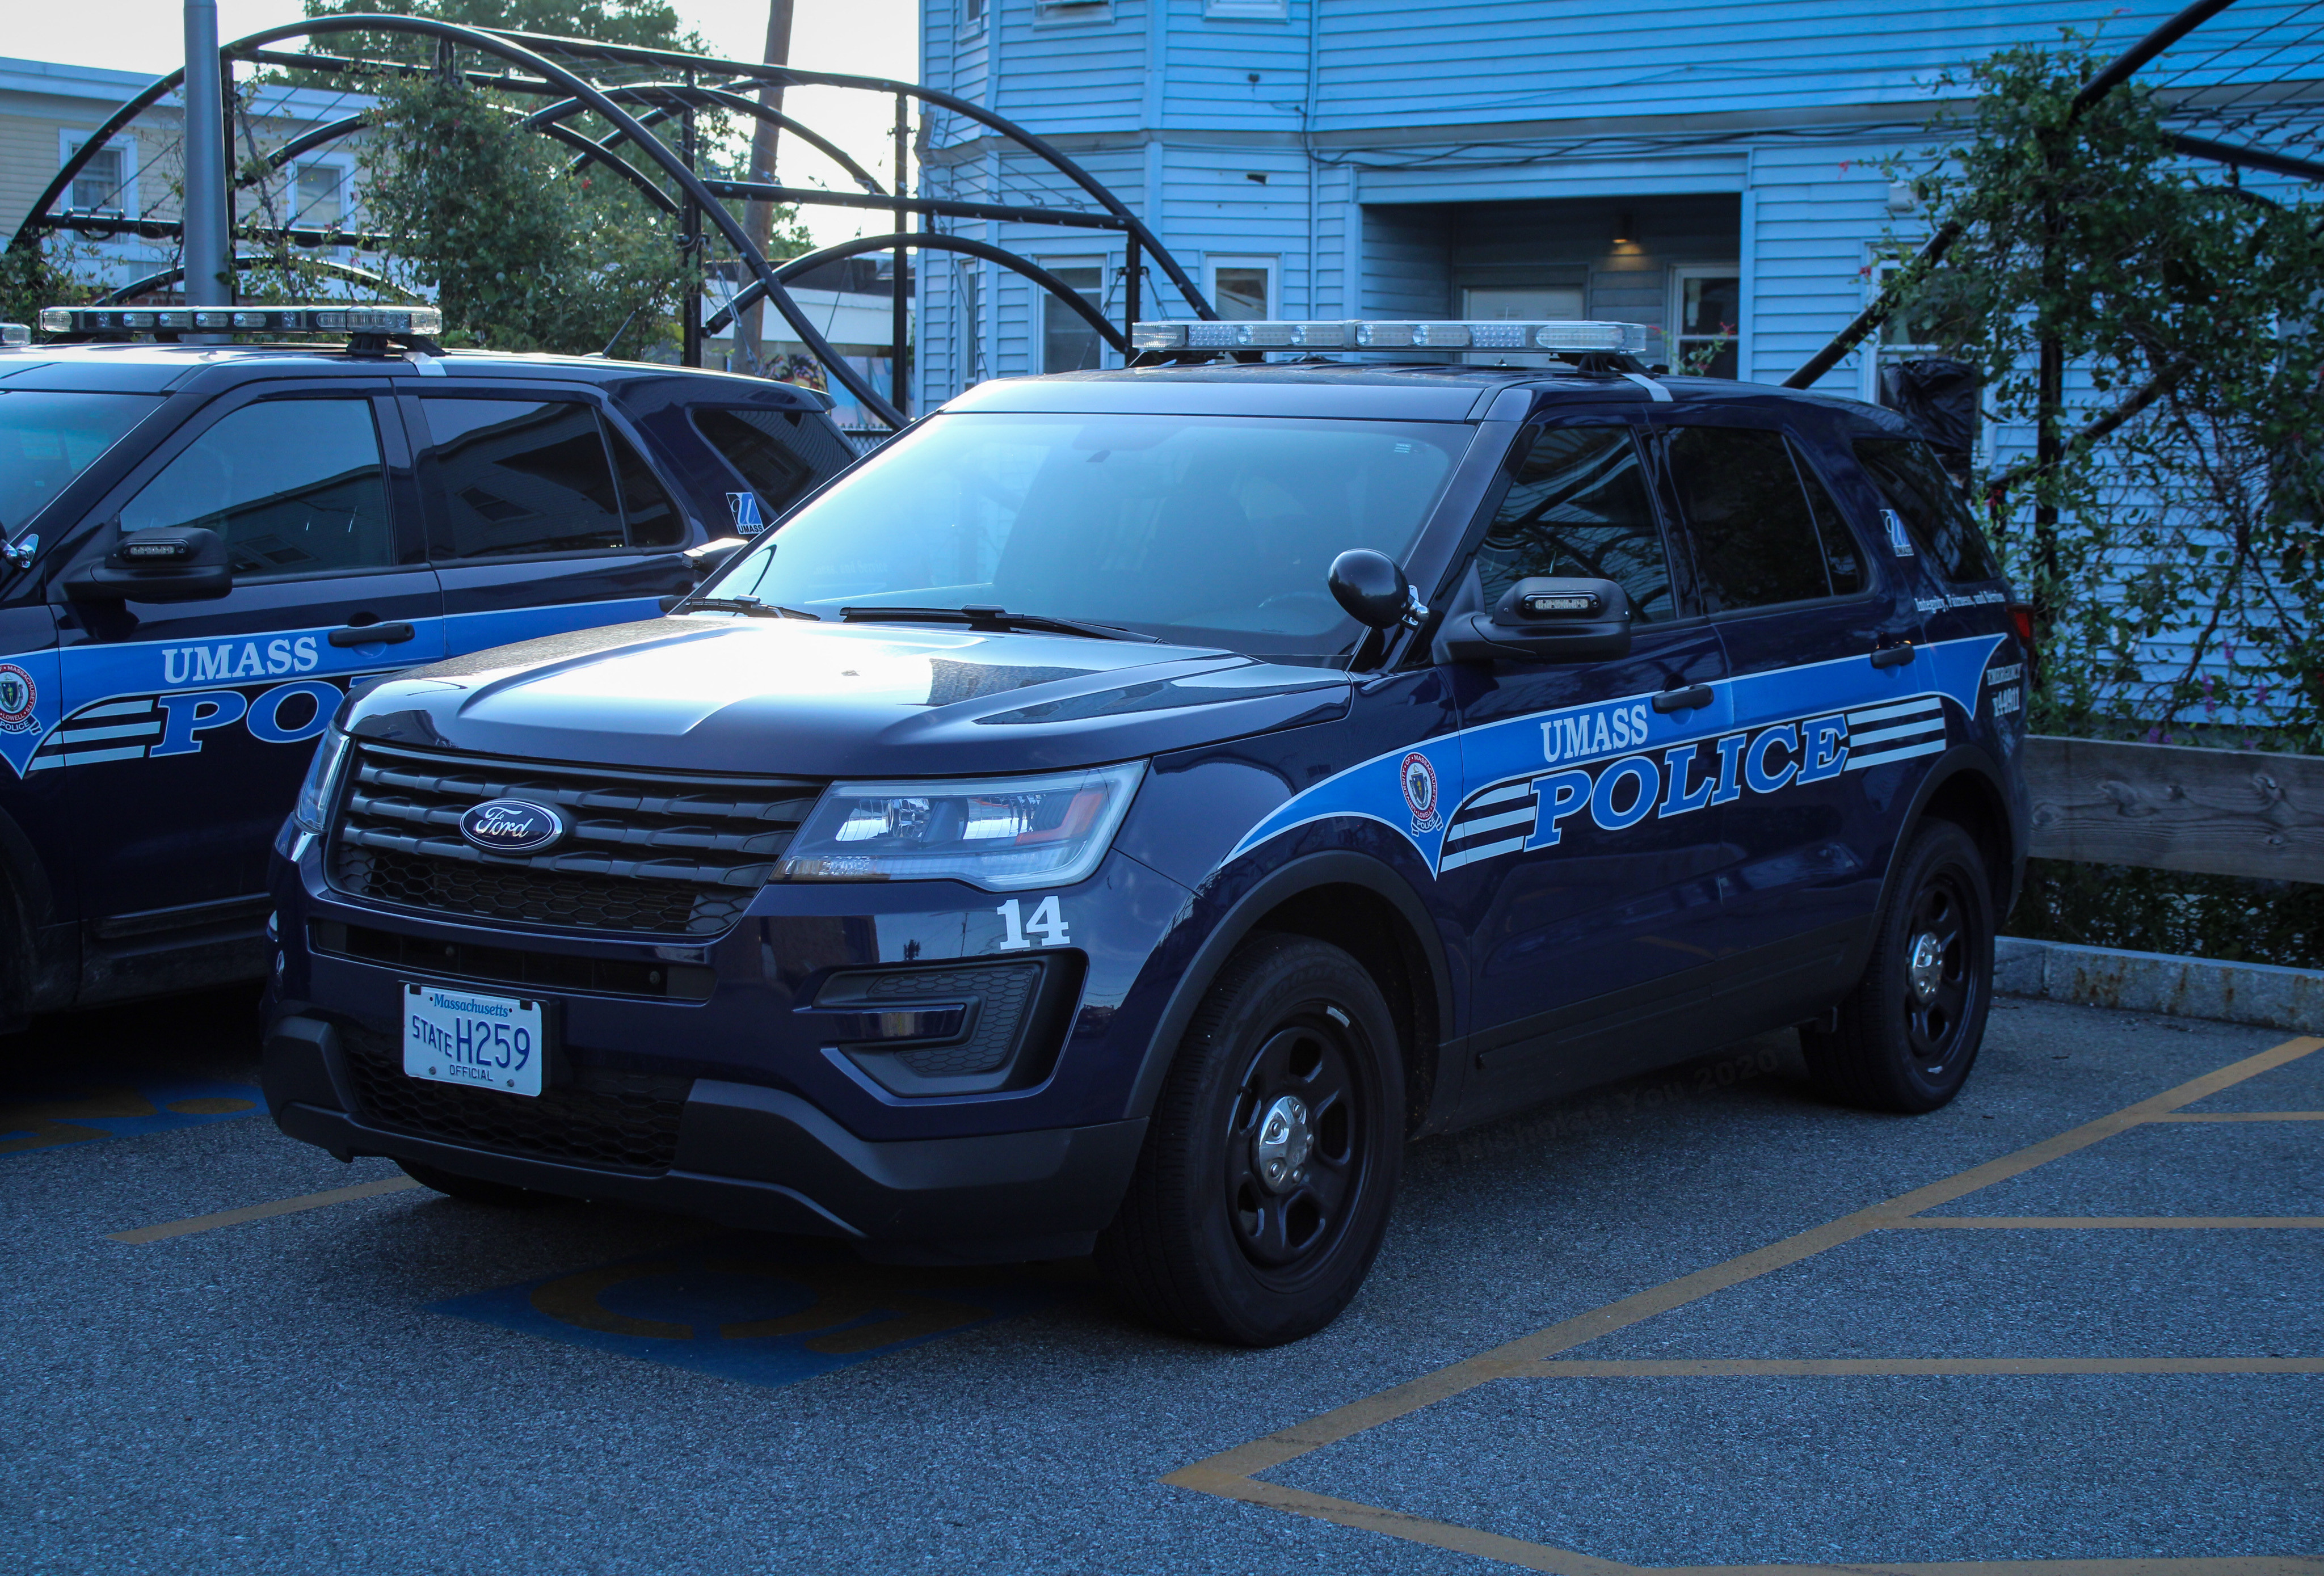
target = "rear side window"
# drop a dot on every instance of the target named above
(1757, 537)
(522, 476)
(1579, 506)
(653, 519)
(293, 485)
(1924, 497)
(762, 446)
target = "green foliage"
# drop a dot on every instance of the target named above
(520, 255)
(521, 252)
(651, 24)
(2174, 561)
(30, 278)
(2171, 911)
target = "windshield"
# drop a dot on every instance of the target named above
(46, 439)
(1201, 529)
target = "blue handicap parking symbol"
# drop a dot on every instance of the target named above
(765, 1311)
(83, 1113)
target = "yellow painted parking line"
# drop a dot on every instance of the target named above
(2124, 1222)
(1705, 1367)
(281, 1206)
(1232, 1473)
(2240, 1116)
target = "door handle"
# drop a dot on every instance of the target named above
(372, 635)
(1683, 700)
(1892, 656)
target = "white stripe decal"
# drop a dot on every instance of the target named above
(1857, 763)
(1469, 826)
(1467, 855)
(1877, 714)
(91, 757)
(1501, 796)
(1856, 741)
(65, 738)
(118, 709)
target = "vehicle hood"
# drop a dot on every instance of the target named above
(762, 695)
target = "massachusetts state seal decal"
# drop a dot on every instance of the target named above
(17, 696)
(1419, 774)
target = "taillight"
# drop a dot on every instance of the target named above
(2021, 619)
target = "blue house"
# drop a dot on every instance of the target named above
(1715, 173)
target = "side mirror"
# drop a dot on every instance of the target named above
(710, 557)
(1373, 589)
(1545, 620)
(169, 563)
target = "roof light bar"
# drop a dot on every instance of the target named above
(15, 336)
(1577, 336)
(425, 322)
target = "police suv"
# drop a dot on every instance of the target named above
(208, 544)
(1122, 811)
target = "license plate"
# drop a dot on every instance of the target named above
(463, 1037)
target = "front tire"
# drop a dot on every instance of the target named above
(1262, 1192)
(1909, 1032)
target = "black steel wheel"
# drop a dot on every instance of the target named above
(1262, 1192)
(1910, 1030)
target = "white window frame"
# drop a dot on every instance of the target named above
(1106, 267)
(1271, 261)
(1876, 350)
(1071, 13)
(346, 170)
(68, 142)
(1245, 10)
(1674, 311)
(972, 15)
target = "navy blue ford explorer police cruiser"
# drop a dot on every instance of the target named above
(208, 545)
(1122, 811)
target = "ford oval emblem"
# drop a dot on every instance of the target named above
(513, 826)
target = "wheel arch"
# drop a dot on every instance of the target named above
(31, 980)
(1354, 902)
(1968, 789)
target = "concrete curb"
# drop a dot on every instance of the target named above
(2146, 982)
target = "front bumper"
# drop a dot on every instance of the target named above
(764, 1159)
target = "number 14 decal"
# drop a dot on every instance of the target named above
(1048, 922)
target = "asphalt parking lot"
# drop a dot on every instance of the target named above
(2070, 1325)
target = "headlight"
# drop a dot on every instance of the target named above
(1001, 833)
(314, 811)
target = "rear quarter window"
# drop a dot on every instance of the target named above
(779, 455)
(1913, 483)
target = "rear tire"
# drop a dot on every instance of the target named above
(473, 1189)
(1262, 1192)
(1910, 1030)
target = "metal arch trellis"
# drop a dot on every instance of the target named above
(547, 63)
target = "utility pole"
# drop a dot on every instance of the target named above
(207, 243)
(759, 217)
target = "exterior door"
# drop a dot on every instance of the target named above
(188, 724)
(1798, 607)
(1583, 850)
(544, 517)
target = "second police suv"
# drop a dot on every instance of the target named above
(208, 544)
(1122, 811)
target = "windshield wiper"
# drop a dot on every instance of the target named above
(744, 604)
(980, 617)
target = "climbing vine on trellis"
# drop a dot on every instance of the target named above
(2174, 559)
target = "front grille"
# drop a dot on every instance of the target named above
(622, 1121)
(666, 853)
(501, 966)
